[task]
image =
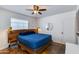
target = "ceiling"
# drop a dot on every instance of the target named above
(51, 9)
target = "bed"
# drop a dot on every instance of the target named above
(34, 42)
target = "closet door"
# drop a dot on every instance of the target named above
(69, 28)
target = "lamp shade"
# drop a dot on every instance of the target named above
(38, 29)
(10, 29)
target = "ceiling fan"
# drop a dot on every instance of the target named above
(36, 10)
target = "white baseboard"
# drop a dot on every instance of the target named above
(59, 42)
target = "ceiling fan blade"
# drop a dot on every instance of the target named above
(40, 13)
(32, 12)
(29, 9)
(42, 9)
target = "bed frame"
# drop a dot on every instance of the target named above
(34, 51)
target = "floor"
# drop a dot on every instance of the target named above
(54, 48)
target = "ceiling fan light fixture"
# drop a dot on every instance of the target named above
(35, 11)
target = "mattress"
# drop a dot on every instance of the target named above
(34, 41)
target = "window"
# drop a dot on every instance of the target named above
(19, 24)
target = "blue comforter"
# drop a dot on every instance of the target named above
(34, 40)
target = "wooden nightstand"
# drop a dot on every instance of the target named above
(12, 39)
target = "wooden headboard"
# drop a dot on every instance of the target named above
(12, 36)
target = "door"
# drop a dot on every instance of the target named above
(69, 28)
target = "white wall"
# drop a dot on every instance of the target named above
(5, 17)
(63, 22)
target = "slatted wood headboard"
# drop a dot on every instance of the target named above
(12, 36)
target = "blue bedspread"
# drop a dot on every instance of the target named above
(34, 40)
